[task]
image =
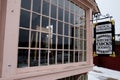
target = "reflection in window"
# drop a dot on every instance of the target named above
(43, 57)
(44, 40)
(59, 45)
(26, 4)
(53, 22)
(24, 19)
(65, 56)
(34, 39)
(34, 57)
(66, 4)
(45, 21)
(59, 57)
(60, 28)
(22, 58)
(77, 44)
(81, 56)
(53, 11)
(23, 38)
(45, 8)
(77, 32)
(52, 57)
(53, 42)
(60, 14)
(35, 21)
(36, 5)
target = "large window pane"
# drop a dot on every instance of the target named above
(35, 39)
(37, 5)
(76, 56)
(44, 40)
(66, 4)
(26, 4)
(52, 57)
(45, 8)
(45, 22)
(72, 18)
(23, 38)
(35, 21)
(53, 11)
(22, 58)
(60, 13)
(54, 2)
(59, 57)
(60, 28)
(25, 19)
(61, 3)
(44, 57)
(34, 58)
(71, 31)
(60, 40)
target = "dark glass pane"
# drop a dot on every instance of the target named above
(53, 43)
(66, 42)
(53, 11)
(37, 5)
(81, 33)
(71, 56)
(81, 44)
(61, 3)
(60, 14)
(22, 58)
(35, 21)
(66, 29)
(60, 28)
(80, 56)
(35, 39)
(45, 8)
(59, 45)
(26, 4)
(53, 22)
(77, 32)
(65, 56)
(85, 56)
(45, 22)
(59, 57)
(85, 34)
(66, 4)
(85, 45)
(23, 38)
(44, 40)
(34, 58)
(43, 57)
(76, 56)
(71, 43)
(24, 19)
(66, 16)
(72, 18)
(52, 57)
(54, 2)
(71, 31)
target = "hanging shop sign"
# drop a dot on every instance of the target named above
(104, 38)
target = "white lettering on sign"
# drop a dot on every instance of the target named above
(104, 43)
(103, 27)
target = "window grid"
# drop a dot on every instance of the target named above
(72, 37)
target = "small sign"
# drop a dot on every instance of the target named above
(104, 40)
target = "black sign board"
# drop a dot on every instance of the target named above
(104, 38)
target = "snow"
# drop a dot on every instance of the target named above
(100, 73)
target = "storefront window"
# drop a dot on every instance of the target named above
(51, 32)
